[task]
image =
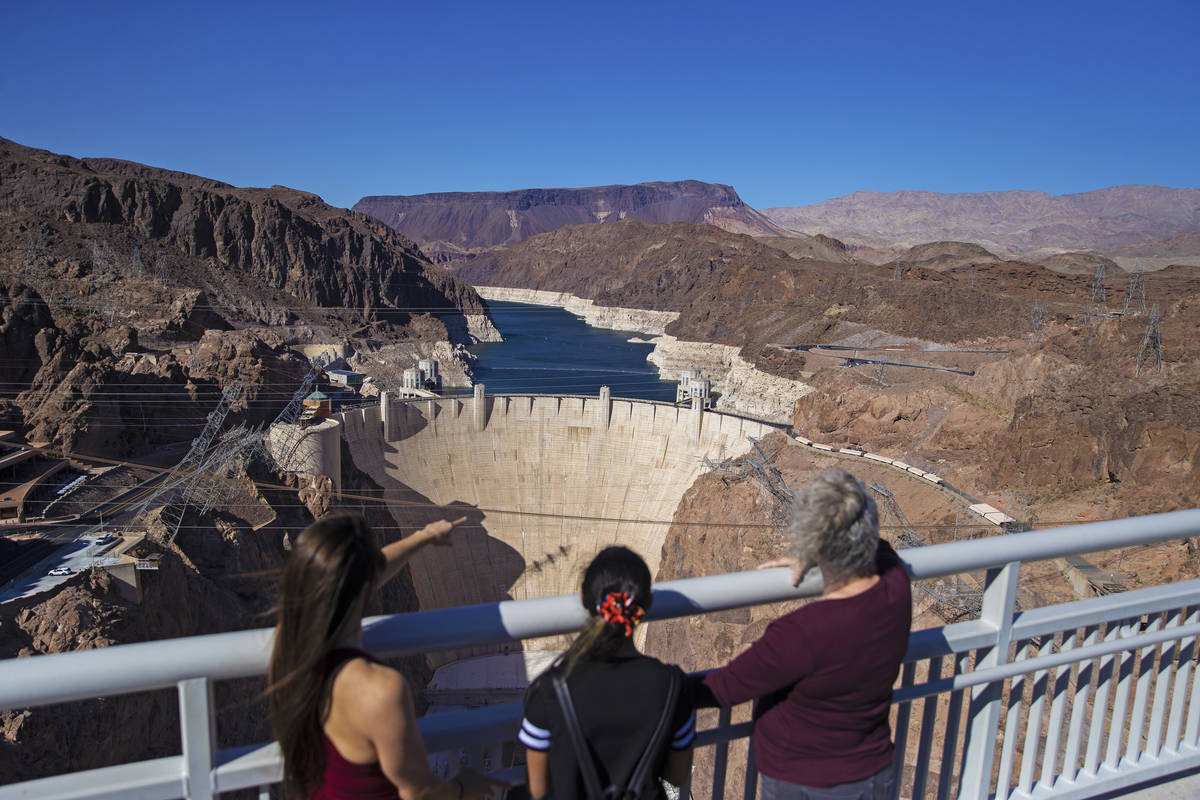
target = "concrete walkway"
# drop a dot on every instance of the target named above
(1182, 788)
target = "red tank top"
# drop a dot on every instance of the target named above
(345, 780)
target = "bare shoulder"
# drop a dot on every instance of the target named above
(366, 689)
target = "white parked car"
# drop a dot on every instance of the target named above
(62, 571)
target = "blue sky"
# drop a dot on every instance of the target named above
(791, 102)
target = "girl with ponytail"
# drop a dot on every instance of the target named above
(619, 696)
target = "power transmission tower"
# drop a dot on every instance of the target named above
(898, 272)
(101, 260)
(135, 264)
(952, 602)
(973, 279)
(1151, 347)
(162, 269)
(215, 483)
(36, 256)
(1039, 320)
(1135, 298)
(285, 444)
(172, 494)
(1098, 302)
(757, 467)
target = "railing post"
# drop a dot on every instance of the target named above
(721, 757)
(198, 729)
(750, 790)
(999, 600)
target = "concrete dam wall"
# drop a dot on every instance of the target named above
(538, 476)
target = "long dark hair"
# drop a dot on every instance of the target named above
(614, 570)
(333, 564)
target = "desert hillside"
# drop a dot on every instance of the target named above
(1059, 418)
(132, 293)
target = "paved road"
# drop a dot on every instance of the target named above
(69, 548)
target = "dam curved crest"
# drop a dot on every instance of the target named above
(540, 477)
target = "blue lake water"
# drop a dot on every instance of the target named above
(547, 350)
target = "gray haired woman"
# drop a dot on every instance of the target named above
(824, 672)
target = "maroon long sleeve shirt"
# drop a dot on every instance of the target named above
(825, 674)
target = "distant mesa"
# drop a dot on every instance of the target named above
(451, 224)
(1015, 223)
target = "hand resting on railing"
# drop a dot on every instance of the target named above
(823, 673)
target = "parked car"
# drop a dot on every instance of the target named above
(61, 571)
(106, 538)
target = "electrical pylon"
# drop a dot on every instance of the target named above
(1151, 347)
(1135, 297)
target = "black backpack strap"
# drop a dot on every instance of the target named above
(583, 754)
(640, 776)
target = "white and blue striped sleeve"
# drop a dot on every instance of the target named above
(533, 737)
(683, 737)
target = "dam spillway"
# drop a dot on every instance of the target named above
(541, 478)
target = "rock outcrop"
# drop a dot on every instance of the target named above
(942, 256)
(454, 224)
(240, 245)
(742, 387)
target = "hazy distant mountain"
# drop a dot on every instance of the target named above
(456, 223)
(942, 256)
(1016, 222)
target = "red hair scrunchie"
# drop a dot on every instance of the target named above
(619, 608)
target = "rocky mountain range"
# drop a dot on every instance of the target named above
(454, 224)
(1058, 417)
(130, 296)
(737, 289)
(129, 292)
(1012, 222)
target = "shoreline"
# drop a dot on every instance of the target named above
(743, 388)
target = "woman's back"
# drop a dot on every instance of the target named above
(824, 673)
(346, 724)
(352, 767)
(618, 701)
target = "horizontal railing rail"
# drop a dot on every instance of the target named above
(990, 658)
(63, 677)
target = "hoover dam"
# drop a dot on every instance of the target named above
(541, 479)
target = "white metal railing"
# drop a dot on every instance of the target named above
(1071, 700)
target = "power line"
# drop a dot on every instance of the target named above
(415, 504)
